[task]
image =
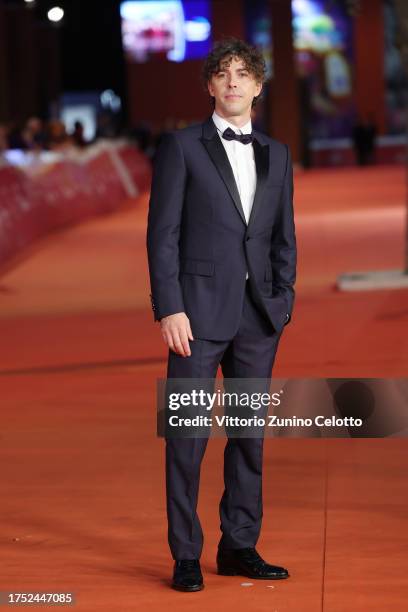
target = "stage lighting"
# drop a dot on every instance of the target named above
(110, 100)
(55, 14)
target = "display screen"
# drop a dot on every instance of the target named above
(324, 57)
(174, 29)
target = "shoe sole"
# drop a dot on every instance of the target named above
(187, 589)
(231, 572)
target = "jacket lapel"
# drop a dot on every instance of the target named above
(261, 154)
(216, 151)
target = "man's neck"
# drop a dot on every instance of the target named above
(237, 120)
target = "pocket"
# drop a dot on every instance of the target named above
(197, 266)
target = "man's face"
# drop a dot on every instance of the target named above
(233, 88)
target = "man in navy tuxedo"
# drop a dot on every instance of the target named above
(222, 262)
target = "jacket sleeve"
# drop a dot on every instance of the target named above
(283, 248)
(163, 227)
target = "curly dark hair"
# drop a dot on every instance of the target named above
(221, 55)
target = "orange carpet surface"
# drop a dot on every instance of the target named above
(82, 479)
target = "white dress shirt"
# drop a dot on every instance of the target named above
(241, 158)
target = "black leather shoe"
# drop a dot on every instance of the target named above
(187, 575)
(247, 562)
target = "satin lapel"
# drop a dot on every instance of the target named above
(220, 159)
(261, 154)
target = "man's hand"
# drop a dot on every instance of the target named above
(176, 332)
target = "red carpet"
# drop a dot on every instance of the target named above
(82, 483)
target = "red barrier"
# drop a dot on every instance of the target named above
(138, 166)
(104, 181)
(19, 224)
(50, 196)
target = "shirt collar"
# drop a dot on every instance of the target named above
(222, 124)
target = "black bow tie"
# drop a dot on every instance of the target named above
(229, 134)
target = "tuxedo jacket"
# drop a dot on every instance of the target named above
(200, 246)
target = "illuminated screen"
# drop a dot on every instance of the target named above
(177, 30)
(324, 58)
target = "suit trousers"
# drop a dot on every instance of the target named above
(249, 354)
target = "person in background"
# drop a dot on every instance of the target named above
(364, 140)
(34, 135)
(77, 135)
(57, 137)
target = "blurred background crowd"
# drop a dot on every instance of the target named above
(74, 72)
(39, 135)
